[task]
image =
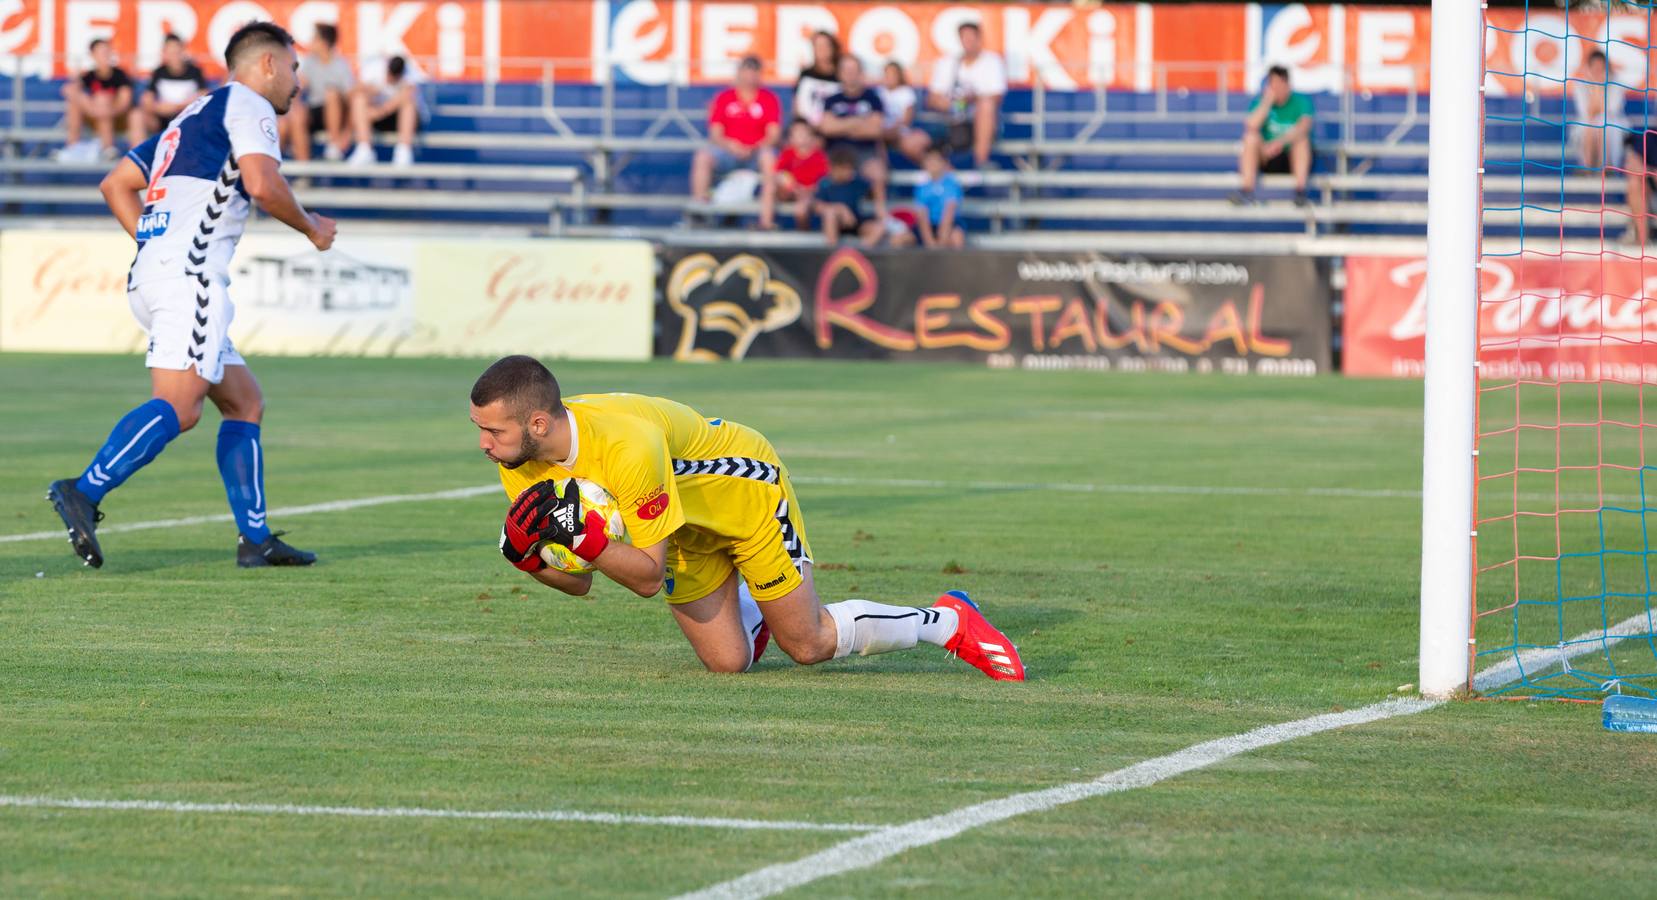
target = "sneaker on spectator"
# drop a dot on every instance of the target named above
(332, 153)
(79, 152)
(1242, 198)
(108, 154)
(1302, 200)
(363, 155)
(402, 156)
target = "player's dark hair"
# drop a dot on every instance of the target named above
(252, 38)
(1278, 72)
(328, 34)
(525, 385)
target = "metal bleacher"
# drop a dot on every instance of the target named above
(1093, 167)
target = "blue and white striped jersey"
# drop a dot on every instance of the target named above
(194, 207)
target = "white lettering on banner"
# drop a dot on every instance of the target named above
(1293, 39)
(946, 29)
(306, 16)
(380, 36)
(157, 19)
(83, 21)
(727, 35)
(1540, 51)
(1030, 48)
(1536, 310)
(227, 19)
(638, 34)
(885, 33)
(795, 26)
(1101, 47)
(451, 41)
(1384, 41)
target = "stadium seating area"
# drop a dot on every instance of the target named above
(1077, 166)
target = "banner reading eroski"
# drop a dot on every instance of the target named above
(1132, 46)
(1267, 315)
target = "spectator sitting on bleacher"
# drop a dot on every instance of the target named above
(968, 89)
(1640, 162)
(939, 195)
(395, 106)
(101, 95)
(744, 126)
(174, 84)
(855, 120)
(1277, 138)
(819, 82)
(1597, 107)
(839, 203)
(325, 83)
(800, 167)
(899, 100)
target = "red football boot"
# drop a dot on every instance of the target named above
(980, 643)
(762, 638)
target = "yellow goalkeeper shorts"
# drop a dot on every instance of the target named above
(769, 546)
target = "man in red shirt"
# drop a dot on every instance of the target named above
(744, 127)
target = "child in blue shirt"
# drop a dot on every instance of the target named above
(939, 197)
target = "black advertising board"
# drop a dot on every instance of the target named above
(1035, 310)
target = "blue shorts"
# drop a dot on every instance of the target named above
(725, 162)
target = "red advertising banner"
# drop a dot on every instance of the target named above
(1540, 318)
(1129, 46)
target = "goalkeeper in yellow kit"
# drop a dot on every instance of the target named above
(712, 520)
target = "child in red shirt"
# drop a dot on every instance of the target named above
(800, 167)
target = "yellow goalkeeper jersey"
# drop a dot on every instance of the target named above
(660, 459)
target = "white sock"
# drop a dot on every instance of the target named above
(868, 628)
(751, 618)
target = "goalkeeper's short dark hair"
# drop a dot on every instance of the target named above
(253, 38)
(521, 381)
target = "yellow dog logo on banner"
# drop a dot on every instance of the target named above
(724, 306)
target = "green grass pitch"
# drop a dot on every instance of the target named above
(412, 667)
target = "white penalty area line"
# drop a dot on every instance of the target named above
(1063, 487)
(279, 512)
(407, 812)
(875, 847)
(479, 490)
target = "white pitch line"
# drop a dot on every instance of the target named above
(281, 511)
(875, 847)
(1068, 487)
(406, 812)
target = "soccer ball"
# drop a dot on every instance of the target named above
(593, 497)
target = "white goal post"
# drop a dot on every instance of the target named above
(1455, 132)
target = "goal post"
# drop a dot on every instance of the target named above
(1455, 128)
(1539, 461)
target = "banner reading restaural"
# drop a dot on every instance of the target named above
(65, 291)
(1265, 315)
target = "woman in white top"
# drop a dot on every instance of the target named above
(1599, 123)
(819, 82)
(898, 99)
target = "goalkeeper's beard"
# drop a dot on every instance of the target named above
(530, 449)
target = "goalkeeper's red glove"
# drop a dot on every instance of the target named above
(523, 533)
(566, 524)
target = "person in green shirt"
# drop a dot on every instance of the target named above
(1277, 137)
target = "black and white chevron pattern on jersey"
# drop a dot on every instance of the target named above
(791, 538)
(734, 466)
(196, 257)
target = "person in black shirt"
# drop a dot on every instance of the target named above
(854, 121)
(103, 96)
(819, 82)
(175, 84)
